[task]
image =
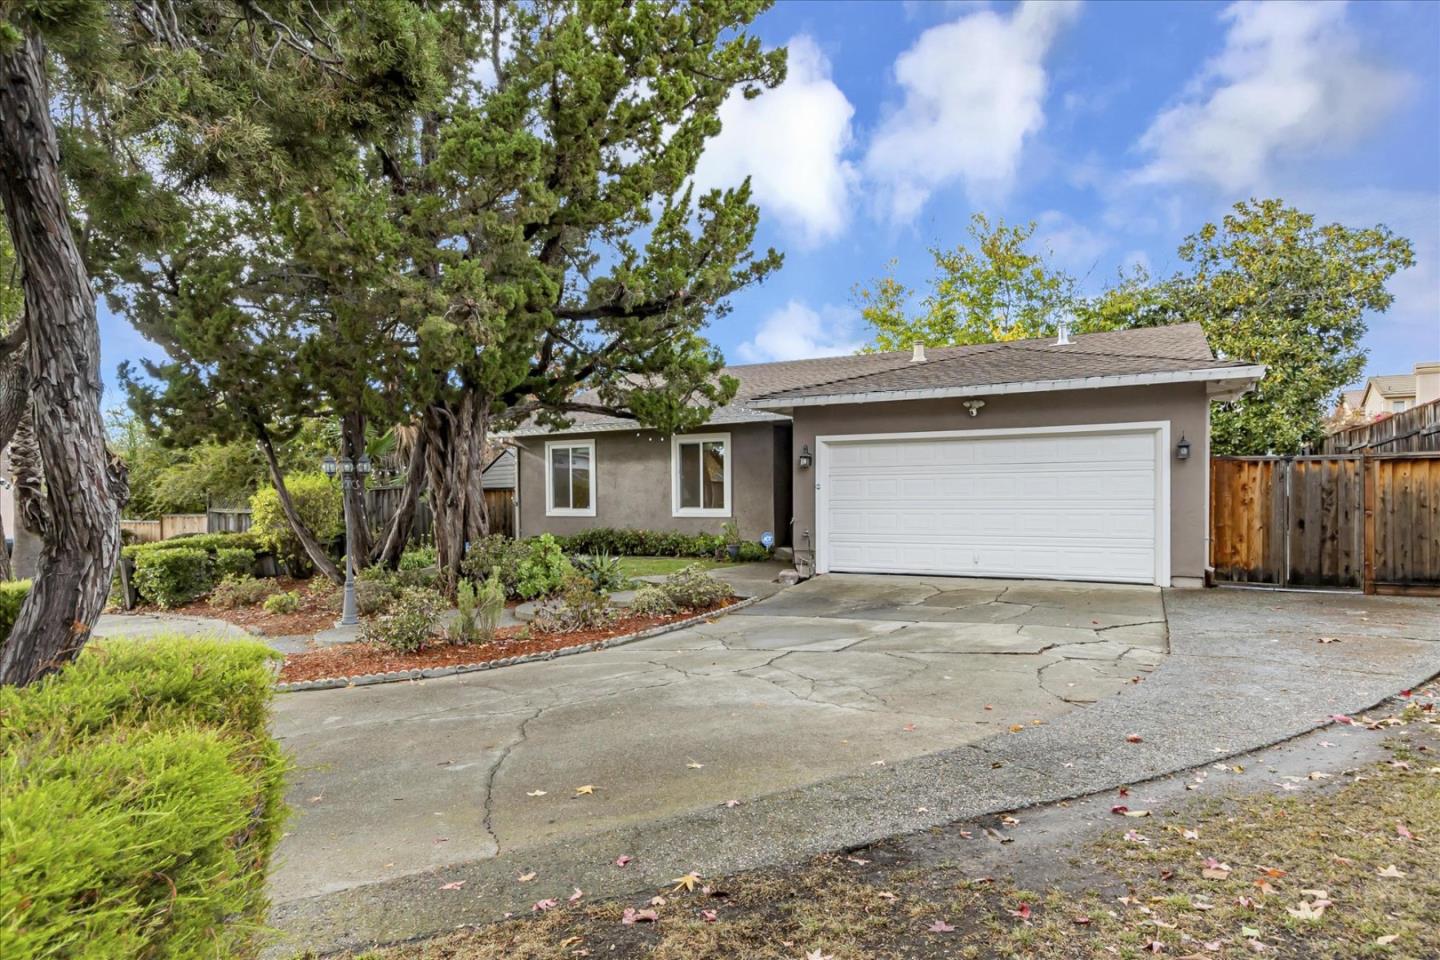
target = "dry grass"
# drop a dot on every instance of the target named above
(1334, 838)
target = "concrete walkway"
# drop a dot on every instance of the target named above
(453, 767)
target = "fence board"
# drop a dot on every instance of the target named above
(1416, 430)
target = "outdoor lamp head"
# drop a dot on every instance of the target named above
(328, 465)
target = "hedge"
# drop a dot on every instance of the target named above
(169, 578)
(12, 595)
(200, 541)
(140, 800)
(643, 543)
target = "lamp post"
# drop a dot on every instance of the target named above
(352, 475)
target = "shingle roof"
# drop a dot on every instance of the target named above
(1178, 347)
(1394, 385)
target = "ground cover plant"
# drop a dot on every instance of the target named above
(142, 798)
(1335, 865)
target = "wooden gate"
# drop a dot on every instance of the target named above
(1348, 522)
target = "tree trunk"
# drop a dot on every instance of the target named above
(397, 530)
(308, 543)
(454, 459)
(84, 488)
(352, 446)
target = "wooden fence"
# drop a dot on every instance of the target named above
(1416, 430)
(1348, 521)
(170, 525)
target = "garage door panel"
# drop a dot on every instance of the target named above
(1064, 506)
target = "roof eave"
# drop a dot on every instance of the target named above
(1225, 383)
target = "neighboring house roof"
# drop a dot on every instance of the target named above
(1394, 385)
(1117, 358)
(1351, 399)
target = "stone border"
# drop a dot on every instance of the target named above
(397, 676)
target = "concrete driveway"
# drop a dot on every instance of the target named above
(837, 675)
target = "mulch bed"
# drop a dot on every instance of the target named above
(316, 613)
(358, 659)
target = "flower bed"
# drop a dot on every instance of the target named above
(360, 659)
(315, 612)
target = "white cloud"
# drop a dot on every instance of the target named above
(1290, 77)
(791, 142)
(1073, 246)
(797, 332)
(974, 91)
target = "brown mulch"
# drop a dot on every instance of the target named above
(316, 613)
(358, 659)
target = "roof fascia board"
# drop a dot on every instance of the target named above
(1247, 374)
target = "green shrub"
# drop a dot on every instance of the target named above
(287, 601)
(376, 589)
(495, 555)
(239, 591)
(409, 622)
(199, 541)
(543, 569)
(233, 562)
(12, 595)
(417, 558)
(602, 570)
(687, 589)
(317, 500)
(142, 799)
(579, 606)
(643, 543)
(751, 552)
(168, 578)
(489, 605)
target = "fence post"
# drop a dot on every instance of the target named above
(1367, 473)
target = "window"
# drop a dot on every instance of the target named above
(570, 478)
(1398, 406)
(700, 475)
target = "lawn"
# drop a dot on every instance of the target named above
(663, 566)
(1345, 866)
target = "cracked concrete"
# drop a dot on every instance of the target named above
(827, 678)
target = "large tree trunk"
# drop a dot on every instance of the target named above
(454, 460)
(84, 488)
(307, 539)
(393, 538)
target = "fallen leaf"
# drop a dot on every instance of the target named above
(1306, 910)
(709, 916)
(940, 926)
(1119, 808)
(1190, 834)
(535, 793)
(817, 955)
(585, 791)
(688, 881)
(1392, 873)
(453, 886)
(632, 916)
(1009, 821)
(909, 728)
(1134, 738)
(525, 877)
(695, 766)
(1137, 813)
(1250, 932)
(1023, 911)
(1388, 939)
(1134, 837)
(575, 896)
(540, 906)
(858, 861)
(1327, 639)
(657, 901)
(1154, 946)
(732, 803)
(1403, 833)
(623, 859)
(1016, 727)
(1215, 870)
(1081, 921)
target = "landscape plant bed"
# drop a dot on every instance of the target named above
(351, 660)
(315, 613)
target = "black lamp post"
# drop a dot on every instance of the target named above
(352, 475)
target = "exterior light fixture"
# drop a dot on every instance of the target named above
(974, 407)
(352, 473)
(1182, 449)
(805, 458)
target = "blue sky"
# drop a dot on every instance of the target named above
(1118, 127)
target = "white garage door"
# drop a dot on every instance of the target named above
(1076, 505)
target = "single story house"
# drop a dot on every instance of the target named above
(1081, 458)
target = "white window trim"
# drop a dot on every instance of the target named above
(550, 509)
(675, 441)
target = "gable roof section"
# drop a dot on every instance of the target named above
(1168, 354)
(1393, 385)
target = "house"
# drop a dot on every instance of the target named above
(1082, 459)
(1392, 393)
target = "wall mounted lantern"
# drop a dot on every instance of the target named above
(805, 458)
(1182, 449)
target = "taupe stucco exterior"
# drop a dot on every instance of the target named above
(632, 483)
(1185, 406)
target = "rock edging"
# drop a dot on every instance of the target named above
(398, 676)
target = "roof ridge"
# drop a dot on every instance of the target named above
(899, 364)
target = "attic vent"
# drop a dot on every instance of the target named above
(1064, 338)
(917, 353)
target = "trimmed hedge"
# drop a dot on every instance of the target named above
(643, 543)
(168, 578)
(200, 541)
(12, 595)
(141, 797)
(232, 562)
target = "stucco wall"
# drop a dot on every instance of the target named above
(632, 483)
(1184, 405)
